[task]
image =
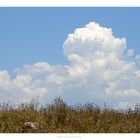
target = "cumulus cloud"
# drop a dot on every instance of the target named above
(98, 71)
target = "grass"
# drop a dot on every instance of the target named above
(58, 117)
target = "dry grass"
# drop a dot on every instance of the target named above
(60, 118)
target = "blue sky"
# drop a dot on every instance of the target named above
(29, 35)
(96, 66)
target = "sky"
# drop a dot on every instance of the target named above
(37, 54)
(28, 35)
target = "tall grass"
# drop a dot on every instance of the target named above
(58, 117)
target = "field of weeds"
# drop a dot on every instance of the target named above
(60, 118)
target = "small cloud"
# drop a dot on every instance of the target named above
(130, 52)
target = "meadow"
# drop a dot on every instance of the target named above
(58, 117)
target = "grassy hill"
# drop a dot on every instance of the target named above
(60, 118)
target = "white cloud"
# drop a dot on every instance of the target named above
(98, 71)
(130, 52)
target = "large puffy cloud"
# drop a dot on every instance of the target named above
(99, 71)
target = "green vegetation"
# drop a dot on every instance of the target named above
(60, 118)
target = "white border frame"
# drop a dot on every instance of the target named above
(67, 136)
(69, 3)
